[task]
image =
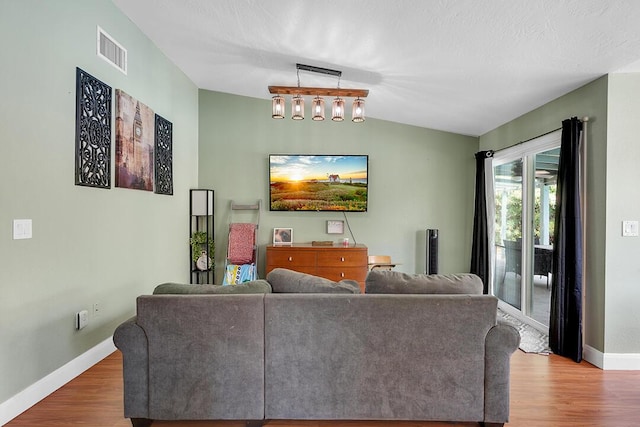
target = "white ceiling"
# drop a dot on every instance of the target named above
(464, 66)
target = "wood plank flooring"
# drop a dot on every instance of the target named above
(546, 391)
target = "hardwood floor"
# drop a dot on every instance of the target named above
(546, 391)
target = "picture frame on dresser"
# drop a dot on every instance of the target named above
(335, 227)
(283, 236)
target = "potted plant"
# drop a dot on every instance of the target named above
(199, 241)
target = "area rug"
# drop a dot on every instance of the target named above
(531, 339)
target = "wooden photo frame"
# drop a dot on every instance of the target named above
(283, 236)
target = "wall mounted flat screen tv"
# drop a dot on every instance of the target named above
(305, 182)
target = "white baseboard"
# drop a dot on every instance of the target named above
(593, 356)
(612, 361)
(24, 400)
(622, 361)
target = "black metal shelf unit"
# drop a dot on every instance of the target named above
(202, 254)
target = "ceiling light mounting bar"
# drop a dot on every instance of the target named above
(319, 70)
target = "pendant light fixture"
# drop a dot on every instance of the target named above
(317, 107)
(297, 108)
(357, 112)
(318, 103)
(277, 107)
(337, 110)
(297, 104)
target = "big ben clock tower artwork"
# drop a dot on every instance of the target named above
(137, 126)
(134, 143)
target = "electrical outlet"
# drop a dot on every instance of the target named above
(97, 307)
(82, 319)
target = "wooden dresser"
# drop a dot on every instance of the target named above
(335, 262)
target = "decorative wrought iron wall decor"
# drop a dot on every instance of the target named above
(164, 156)
(93, 131)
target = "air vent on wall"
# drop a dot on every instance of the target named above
(112, 51)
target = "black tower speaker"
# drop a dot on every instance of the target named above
(432, 251)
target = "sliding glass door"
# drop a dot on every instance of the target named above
(508, 231)
(524, 186)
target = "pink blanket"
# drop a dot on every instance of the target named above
(241, 243)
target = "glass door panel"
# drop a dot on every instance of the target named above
(539, 293)
(508, 190)
(524, 189)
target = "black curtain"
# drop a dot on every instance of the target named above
(565, 326)
(480, 244)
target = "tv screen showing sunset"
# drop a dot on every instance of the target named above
(318, 182)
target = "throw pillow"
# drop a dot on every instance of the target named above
(254, 287)
(395, 282)
(283, 280)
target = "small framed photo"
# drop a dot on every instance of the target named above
(335, 227)
(283, 236)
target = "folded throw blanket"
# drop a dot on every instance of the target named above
(241, 243)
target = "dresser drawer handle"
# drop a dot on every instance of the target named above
(342, 259)
(290, 258)
(341, 274)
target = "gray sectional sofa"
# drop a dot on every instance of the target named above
(332, 354)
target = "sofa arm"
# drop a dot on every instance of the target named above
(501, 341)
(131, 340)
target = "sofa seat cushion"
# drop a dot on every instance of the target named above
(254, 287)
(395, 282)
(283, 280)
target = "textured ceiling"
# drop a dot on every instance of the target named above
(464, 66)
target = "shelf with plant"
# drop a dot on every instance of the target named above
(199, 241)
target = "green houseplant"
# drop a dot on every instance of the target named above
(199, 244)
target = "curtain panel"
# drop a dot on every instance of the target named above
(480, 245)
(565, 323)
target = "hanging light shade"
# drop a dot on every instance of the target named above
(297, 108)
(277, 107)
(357, 112)
(317, 108)
(337, 110)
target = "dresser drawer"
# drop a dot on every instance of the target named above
(334, 262)
(341, 273)
(291, 259)
(342, 258)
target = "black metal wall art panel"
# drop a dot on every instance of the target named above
(164, 156)
(93, 131)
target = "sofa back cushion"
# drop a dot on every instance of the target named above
(395, 282)
(283, 280)
(254, 287)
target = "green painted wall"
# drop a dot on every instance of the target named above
(89, 245)
(589, 100)
(418, 179)
(622, 326)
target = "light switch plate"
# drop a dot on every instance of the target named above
(630, 228)
(22, 229)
